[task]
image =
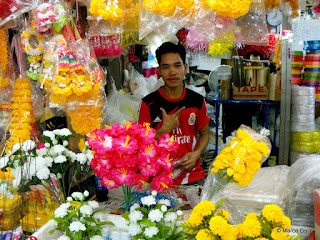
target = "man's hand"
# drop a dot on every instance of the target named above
(169, 122)
(190, 160)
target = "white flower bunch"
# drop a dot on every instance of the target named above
(153, 219)
(78, 219)
(31, 163)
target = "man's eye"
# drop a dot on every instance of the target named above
(178, 65)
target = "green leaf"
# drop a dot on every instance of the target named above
(147, 222)
(52, 231)
(126, 216)
(26, 187)
(106, 223)
(142, 209)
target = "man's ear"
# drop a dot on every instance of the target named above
(159, 71)
(185, 68)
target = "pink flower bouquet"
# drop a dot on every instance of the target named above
(129, 156)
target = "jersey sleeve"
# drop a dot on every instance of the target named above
(203, 118)
(144, 113)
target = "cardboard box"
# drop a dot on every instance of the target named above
(250, 93)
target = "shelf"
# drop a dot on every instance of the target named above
(215, 100)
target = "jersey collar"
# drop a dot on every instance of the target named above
(173, 99)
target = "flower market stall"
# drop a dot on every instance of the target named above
(76, 160)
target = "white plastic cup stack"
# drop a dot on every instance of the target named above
(303, 109)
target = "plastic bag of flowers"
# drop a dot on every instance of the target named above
(238, 162)
(210, 221)
(154, 218)
(78, 219)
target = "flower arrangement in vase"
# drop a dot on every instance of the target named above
(45, 164)
(128, 155)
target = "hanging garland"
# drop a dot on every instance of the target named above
(34, 54)
(222, 45)
(229, 8)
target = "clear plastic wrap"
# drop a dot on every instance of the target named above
(238, 162)
(12, 9)
(303, 109)
(121, 106)
(106, 46)
(166, 17)
(303, 177)
(77, 78)
(139, 85)
(272, 5)
(252, 27)
(122, 15)
(269, 186)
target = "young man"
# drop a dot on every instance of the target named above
(178, 111)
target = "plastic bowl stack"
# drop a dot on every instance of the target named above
(296, 67)
(311, 76)
(303, 109)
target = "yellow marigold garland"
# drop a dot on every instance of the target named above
(162, 7)
(20, 127)
(271, 4)
(4, 81)
(114, 13)
(229, 8)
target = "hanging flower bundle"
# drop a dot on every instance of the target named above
(229, 8)
(222, 45)
(114, 12)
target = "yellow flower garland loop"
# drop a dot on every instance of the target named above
(229, 8)
(27, 47)
(114, 13)
(163, 7)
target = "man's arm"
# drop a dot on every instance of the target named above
(192, 157)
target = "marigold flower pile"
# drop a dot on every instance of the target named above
(222, 45)
(241, 159)
(207, 223)
(129, 155)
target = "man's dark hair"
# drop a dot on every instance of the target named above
(169, 47)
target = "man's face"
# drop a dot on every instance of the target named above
(172, 69)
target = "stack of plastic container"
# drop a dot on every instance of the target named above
(297, 66)
(303, 109)
(311, 76)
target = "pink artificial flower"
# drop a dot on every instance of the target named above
(161, 182)
(148, 151)
(125, 144)
(95, 163)
(124, 175)
(105, 161)
(108, 182)
(167, 142)
(141, 180)
(166, 163)
(149, 168)
(40, 146)
(125, 160)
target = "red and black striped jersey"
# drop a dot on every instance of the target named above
(192, 119)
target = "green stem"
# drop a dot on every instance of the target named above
(220, 184)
